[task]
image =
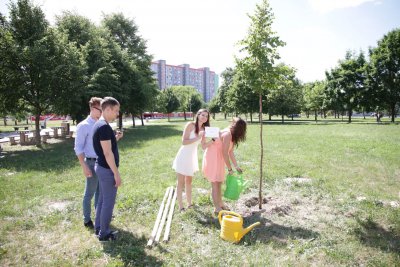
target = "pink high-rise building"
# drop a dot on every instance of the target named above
(205, 81)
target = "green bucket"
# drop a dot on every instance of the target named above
(235, 184)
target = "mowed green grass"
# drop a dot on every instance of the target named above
(340, 218)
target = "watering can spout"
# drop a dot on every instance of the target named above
(248, 229)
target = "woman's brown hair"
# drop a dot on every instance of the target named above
(238, 130)
(207, 123)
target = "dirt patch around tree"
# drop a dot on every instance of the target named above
(290, 206)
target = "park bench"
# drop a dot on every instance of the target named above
(63, 131)
(55, 131)
(13, 142)
(24, 138)
(25, 128)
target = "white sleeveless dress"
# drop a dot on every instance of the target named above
(186, 161)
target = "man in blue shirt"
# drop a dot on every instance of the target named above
(87, 157)
(106, 148)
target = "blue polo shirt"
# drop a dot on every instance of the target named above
(102, 131)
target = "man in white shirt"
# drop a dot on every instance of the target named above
(87, 158)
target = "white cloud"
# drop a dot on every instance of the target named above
(325, 6)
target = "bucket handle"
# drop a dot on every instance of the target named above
(222, 212)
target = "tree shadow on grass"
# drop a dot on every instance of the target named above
(60, 156)
(266, 232)
(55, 157)
(320, 122)
(374, 235)
(206, 219)
(130, 249)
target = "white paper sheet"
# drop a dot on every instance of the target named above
(212, 132)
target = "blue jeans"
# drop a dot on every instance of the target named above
(91, 188)
(105, 206)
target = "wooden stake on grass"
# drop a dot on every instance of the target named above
(164, 216)
(160, 211)
(169, 220)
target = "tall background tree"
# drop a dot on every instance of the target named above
(240, 98)
(286, 97)
(258, 64)
(136, 76)
(348, 81)
(385, 69)
(42, 68)
(9, 103)
(222, 95)
(189, 98)
(84, 35)
(314, 97)
(168, 102)
(213, 107)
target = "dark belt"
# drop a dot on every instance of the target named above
(91, 158)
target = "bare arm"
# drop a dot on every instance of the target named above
(86, 171)
(186, 134)
(226, 142)
(109, 155)
(233, 159)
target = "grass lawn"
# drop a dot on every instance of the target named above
(345, 214)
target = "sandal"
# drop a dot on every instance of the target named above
(190, 206)
(182, 210)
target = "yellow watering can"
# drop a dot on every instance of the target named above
(232, 226)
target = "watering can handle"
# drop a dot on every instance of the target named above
(229, 212)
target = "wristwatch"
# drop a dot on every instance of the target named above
(213, 139)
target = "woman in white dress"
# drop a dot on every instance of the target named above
(186, 161)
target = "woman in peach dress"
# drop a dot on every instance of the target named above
(218, 154)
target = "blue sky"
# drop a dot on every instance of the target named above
(204, 33)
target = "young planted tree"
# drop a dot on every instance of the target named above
(260, 52)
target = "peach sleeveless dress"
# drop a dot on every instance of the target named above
(213, 162)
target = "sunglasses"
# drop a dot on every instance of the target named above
(98, 109)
